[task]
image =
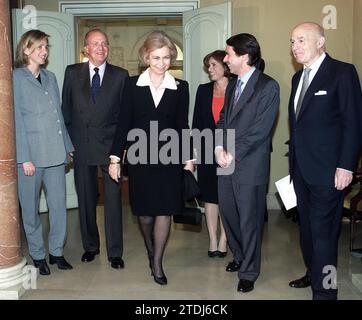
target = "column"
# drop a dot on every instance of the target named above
(11, 260)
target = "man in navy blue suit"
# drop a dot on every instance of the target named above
(325, 116)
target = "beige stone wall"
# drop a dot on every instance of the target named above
(48, 5)
(357, 35)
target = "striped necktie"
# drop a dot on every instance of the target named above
(237, 92)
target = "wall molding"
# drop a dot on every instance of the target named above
(127, 8)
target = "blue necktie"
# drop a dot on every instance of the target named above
(237, 92)
(96, 84)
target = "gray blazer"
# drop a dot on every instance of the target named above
(252, 118)
(41, 136)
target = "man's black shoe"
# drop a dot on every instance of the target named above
(60, 262)
(116, 262)
(245, 285)
(303, 282)
(233, 266)
(42, 266)
(89, 256)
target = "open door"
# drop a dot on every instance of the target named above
(205, 30)
(60, 27)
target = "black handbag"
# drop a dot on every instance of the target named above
(189, 215)
(190, 187)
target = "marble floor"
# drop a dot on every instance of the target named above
(191, 273)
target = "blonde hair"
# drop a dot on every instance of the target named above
(157, 40)
(28, 40)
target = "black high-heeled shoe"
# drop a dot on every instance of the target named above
(213, 254)
(160, 280)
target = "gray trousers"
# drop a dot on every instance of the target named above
(53, 180)
(242, 210)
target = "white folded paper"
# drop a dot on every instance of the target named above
(286, 192)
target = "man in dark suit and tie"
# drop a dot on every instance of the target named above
(251, 106)
(324, 114)
(91, 106)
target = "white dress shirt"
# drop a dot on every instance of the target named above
(101, 70)
(314, 68)
(168, 82)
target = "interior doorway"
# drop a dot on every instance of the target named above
(127, 34)
(127, 23)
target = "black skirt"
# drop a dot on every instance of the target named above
(155, 190)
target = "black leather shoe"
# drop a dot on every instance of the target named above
(89, 256)
(60, 262)
(222, 254)
(116, 262)
(213, 254)
(42, 266)
(303, 282)
(233, 266)
(245, 285)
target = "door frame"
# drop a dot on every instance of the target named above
(127, 8)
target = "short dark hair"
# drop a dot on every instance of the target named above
(94, 30)
(245, 43)
(260, 65)
(219, 56)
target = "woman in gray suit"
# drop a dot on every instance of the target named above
(43, 147)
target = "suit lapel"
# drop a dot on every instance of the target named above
(208, 104)
(165, 98)
(245, 95)
(32, 79)
(44, 80)
(293, 93)
(318, 79)
(84, 81)
(229, 98)
(88, 106)
(106, 83)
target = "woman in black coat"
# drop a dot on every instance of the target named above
(152, 102)
(208, 105)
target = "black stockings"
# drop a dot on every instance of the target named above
(155, 231)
